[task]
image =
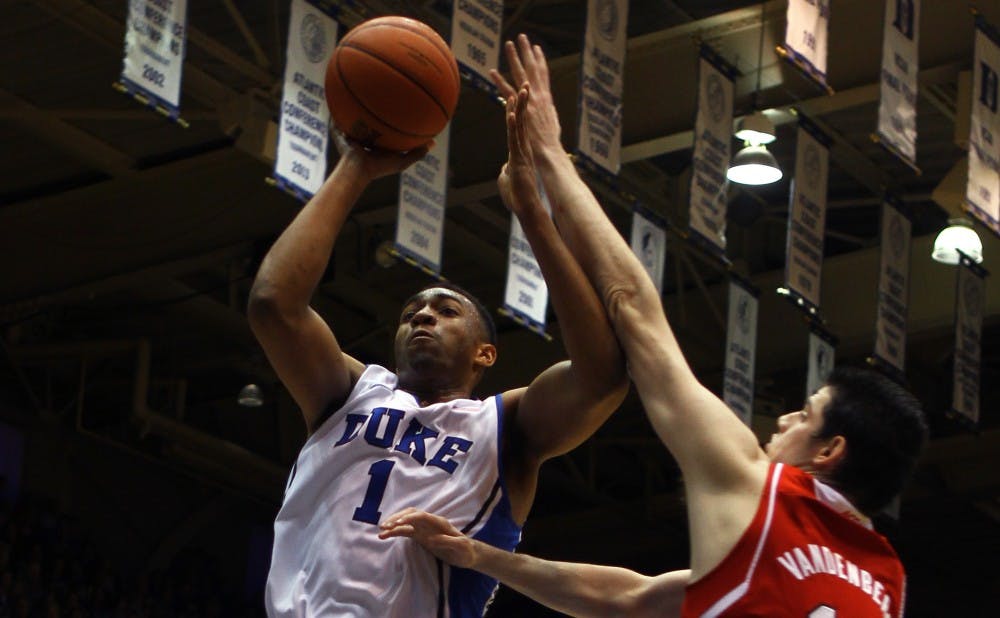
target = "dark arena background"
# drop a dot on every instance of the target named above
(132, 482)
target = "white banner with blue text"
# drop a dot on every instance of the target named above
(807, 214)
(423, 190)
(983, 189)
(897, 111)
(741, 347)
(713, 133)
(649, 243)
(525, 296)
(304, 122)
(893, 290)
(602, 75)
(475, 39)
(155, 43)
(806, 27)
(970, 299)
(821, 361)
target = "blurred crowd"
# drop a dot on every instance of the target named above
(51, 568)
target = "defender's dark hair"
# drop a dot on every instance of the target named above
(485, 319)
(885, 431)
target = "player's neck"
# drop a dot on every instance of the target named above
(428, 392)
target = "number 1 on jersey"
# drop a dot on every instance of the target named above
(368, 511)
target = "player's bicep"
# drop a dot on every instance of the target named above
(308, 360)
(661, 596)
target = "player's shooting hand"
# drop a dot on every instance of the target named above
(373, 163)
(528, 66)
(518, 182)
(434, 533)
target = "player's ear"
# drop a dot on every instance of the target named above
(831, 453)
(486, 355)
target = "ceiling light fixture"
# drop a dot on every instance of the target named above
(959, 236)
(753, 164)
(250, 396)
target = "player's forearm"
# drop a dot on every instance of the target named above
(594, 241)
(598, 365)
(571, 588)
(293, 266)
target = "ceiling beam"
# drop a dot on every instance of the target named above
(66, 137)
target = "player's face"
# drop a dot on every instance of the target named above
(438, 327)
(795, 443)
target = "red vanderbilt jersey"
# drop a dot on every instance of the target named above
(807, 554)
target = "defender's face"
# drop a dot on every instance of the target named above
(436, 326)
(795, 443)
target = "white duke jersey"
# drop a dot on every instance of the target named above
(379, 453)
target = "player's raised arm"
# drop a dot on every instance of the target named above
(573, 588)
(564, 405)
(299, 344)
(710, 443)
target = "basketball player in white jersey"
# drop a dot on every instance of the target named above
(382, 440)
(782, 531)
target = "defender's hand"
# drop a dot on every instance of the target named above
(434, 533)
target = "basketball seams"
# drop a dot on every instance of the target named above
(432, 37)
(417, 93)
(357, 99)
(372, 54)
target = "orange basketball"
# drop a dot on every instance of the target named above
(392, 83)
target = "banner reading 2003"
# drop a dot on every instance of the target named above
(303, 129)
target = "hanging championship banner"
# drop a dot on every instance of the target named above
(525, 296)
(897, 111)
(423, 189)
(713, 132)
(822, 352)
(155, 43)
(807, 214)
(805, 36)
(304, 122)
(649, 243)
(601, 79)
(893, 290)
(475, 39)
(741, 346)
(970, 298)
(983, 190)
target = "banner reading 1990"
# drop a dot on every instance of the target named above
(304, 123)
(713, 130)
(897, 111)
(155, 32)
(422, 194)
(602, 77)
(807, 216)
(475, 39)
(983, 190)
(805, 35)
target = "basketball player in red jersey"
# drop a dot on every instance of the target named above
(782, 531)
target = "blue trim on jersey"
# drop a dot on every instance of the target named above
(469, 592)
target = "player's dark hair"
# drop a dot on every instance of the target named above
(885, 431)
(485, 319)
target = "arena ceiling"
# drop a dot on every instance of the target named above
(130, 243)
